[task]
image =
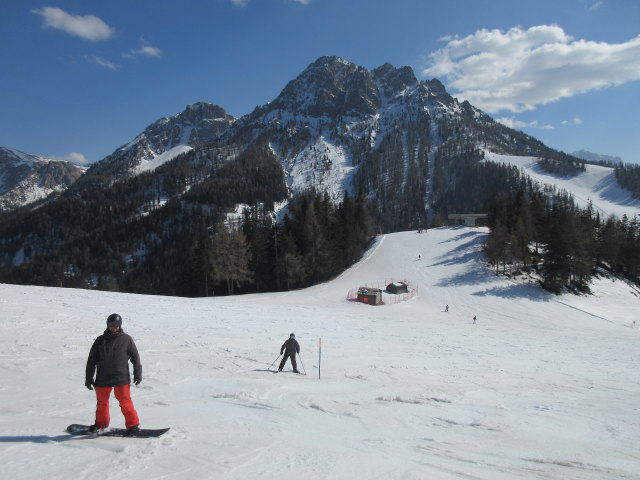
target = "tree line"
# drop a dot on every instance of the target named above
(316, 241)
(565, 244)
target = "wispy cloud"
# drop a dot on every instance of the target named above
(515, 123)
(88, 27)
(520, 69)
(145, 50)
(574, 121)
(244, 3)
(596, 6)
(74, 157)
(102, 62)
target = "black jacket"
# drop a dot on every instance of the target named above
(111, 355)
(291, 346)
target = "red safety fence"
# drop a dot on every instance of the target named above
(388, 298)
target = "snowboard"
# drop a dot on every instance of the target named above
(76, 429)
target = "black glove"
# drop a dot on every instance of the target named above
(137, 381)
(89, 384)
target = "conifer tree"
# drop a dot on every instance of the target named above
(230, 258)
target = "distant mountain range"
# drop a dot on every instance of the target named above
(26, 178)
(406, 146)
(596, 157)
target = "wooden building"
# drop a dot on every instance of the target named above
(372, 296)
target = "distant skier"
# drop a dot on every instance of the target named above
(446, 309)
(111, 353)
(290, 348)
(474, 319)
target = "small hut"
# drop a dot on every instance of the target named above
(398, 287)
(372, 296)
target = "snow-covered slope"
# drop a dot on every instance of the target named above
(597, 185)
(26, 178)
(199, 124)
(540, 387)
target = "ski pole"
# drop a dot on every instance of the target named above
(303, 369)
(274, 362)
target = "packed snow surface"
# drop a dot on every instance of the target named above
(541, 387)
(596, 185)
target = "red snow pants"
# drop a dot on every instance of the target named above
(123, 395)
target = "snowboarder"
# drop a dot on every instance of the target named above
(111, 353)
(290, 348)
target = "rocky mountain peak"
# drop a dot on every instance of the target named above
(394, 80)
(25, 178)
(330, 87)
(197, 125)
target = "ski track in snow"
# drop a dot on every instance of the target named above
(541, 387)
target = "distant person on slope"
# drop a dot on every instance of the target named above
(290, 348)
(111, 353)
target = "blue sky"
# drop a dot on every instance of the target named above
(79, 78)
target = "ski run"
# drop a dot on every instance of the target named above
(540, 387)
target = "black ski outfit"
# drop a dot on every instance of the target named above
(111, 354)
(290, 348)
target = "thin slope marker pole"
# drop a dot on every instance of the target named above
(319, 356)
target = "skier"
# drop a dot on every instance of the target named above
(474, 319)
(446, 308)
(290, 348)
(110, 353)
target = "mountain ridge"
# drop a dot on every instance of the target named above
(26, 178)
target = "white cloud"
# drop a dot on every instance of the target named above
(515, 123)
(145, 50)
(574, 121)
(596, 6)
(103, 63)
(88, 27)
(73, 157)
(519, 69)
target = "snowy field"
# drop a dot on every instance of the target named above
(596, 184)
(542, 387)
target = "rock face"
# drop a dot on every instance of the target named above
(25, 178)
(198, 125)
(337, 127)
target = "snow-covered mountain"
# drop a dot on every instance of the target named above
(199, 124)
(540, 387)
(596, 186)
(407, 148)
(382, 133)
(25, 178)
(596, 157)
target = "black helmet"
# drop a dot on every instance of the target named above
(114, 320)
(293, 335)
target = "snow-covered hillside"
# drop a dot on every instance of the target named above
(26, 178)
(597, 185)
(540, 387)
